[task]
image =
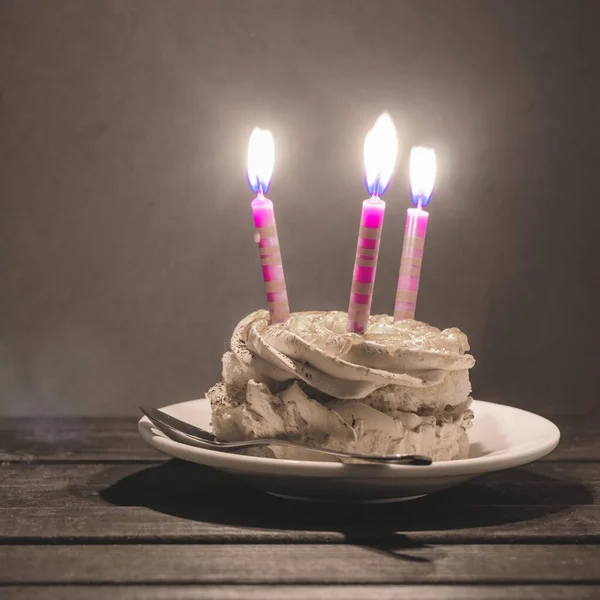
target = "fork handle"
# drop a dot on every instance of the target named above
(390, 459)
(393, 459)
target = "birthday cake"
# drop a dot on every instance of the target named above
(401, 387)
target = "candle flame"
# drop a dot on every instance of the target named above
(261, 157)
(381, 148)
(422, 174)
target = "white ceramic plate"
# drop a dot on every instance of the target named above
(501, 437)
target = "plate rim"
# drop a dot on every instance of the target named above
(514, 456)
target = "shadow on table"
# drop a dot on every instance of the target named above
(201, 494)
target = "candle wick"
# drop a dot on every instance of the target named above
(420, 203)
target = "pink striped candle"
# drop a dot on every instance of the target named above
(270, 258)
(422, 177)
(365, 264)
(381, 147)
(261, 152)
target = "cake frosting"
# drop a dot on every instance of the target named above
(401, 387)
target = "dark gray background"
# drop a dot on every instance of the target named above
(126, 253)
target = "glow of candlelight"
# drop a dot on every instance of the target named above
(261, 158)
(422, 175)
(380, 151)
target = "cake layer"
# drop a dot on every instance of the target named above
(453, 390)
(338, 424)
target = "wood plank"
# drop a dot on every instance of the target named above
(133, 525)
(116, 439)
(177, 482)
(178, 502)
(301, 592)
(404, 562)
(73, 439)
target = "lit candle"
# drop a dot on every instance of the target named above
(381, 147)
(422, 177)
(261, 156)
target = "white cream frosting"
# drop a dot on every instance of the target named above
(364, 387)
(313, 347)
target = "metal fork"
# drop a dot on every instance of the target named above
(189, 434)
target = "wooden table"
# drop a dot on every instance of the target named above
(89, 511)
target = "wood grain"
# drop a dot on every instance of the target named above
(133, 525)
(177, 502)
(177, 482)
(73, 439)
(302, 592)
(116, 439)
(403, 562)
